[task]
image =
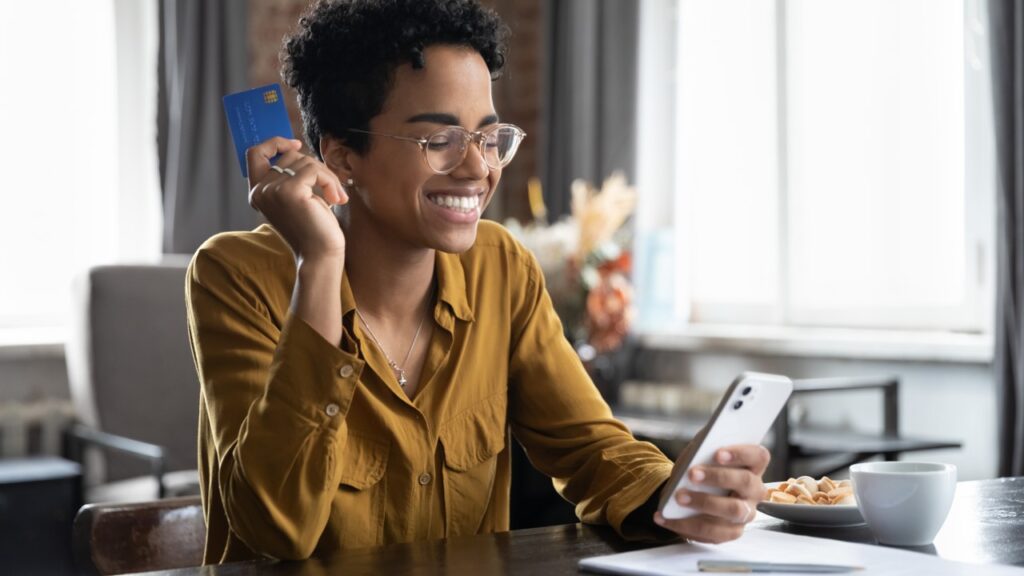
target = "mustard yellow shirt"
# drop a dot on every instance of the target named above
(308, 447)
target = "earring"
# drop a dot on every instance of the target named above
(349, 182)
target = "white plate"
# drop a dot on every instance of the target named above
(809, 515)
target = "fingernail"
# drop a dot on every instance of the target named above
(724, 457)
(659, 520)
(683, 497)
(697, 475)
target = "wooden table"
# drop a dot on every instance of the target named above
(985, 525)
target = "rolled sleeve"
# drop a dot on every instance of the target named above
(317, 380)
(263, 385)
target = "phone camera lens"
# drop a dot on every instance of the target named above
(747, 390)
(737, 405)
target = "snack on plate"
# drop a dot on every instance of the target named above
(807, 490)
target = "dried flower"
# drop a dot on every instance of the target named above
(586, 261)
(600, 213)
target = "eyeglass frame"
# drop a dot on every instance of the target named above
(474, 136)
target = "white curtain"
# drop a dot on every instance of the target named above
(77, 111)
(141, 222)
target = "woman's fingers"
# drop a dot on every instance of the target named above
(316, 174)
(295, 174)
(728, 508)
(257, 192)
(751, 456)
(272, 177)
(294, 194)
(702, 528)
(257, 158)
(738, 471)
(740, 481)
(719, 518)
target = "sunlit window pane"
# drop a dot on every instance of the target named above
(727, 168)
(58, 108)
(876, 153)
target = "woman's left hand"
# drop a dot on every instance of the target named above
(739, 471)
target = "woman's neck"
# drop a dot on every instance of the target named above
(390, 279)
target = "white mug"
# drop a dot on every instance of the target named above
(904, 503)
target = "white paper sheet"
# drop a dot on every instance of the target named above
(764, 546)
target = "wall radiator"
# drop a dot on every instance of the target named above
(34, 428)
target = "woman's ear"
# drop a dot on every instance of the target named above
(337, 156)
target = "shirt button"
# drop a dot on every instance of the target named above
(424, 479)
(332, 409)
(345, 371)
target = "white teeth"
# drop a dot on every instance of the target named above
(457, 203)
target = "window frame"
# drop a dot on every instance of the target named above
(660, 197)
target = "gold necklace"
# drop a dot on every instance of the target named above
(399, 371)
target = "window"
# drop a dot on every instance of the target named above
(815, 163)
(80, 185)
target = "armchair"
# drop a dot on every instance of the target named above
(133, 383)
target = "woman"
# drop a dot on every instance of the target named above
(362, 367)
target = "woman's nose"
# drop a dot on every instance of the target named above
(473, 165)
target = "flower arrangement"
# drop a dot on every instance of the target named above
(586, 260)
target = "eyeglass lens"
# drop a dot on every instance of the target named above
(447, 147)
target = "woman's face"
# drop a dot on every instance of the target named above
(395, 187)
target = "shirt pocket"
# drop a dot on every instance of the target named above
(472, 442)
(357, 516)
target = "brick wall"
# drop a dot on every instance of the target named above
(517, 98)
(517, 95)
(269, 22)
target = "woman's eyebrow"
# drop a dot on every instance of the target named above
(448, 119)
(436, 118)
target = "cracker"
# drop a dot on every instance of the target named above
(807, 490)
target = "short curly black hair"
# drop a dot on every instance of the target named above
(342, 58)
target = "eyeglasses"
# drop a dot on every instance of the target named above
(446, 148)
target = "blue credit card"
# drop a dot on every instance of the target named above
(254, 116)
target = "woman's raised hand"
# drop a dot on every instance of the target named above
(284, 194)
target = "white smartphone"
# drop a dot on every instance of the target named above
(744, 416)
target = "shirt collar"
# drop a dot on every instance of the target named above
(451, 287)
(348, 300)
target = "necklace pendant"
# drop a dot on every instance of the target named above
(401, 378)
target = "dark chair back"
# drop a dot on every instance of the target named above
(118, 538)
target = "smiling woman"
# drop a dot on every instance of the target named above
(367, 357)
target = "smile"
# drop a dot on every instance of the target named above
(463, 204)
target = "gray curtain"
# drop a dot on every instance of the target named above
(1006, 19)
(590, 94)
(203, 56)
